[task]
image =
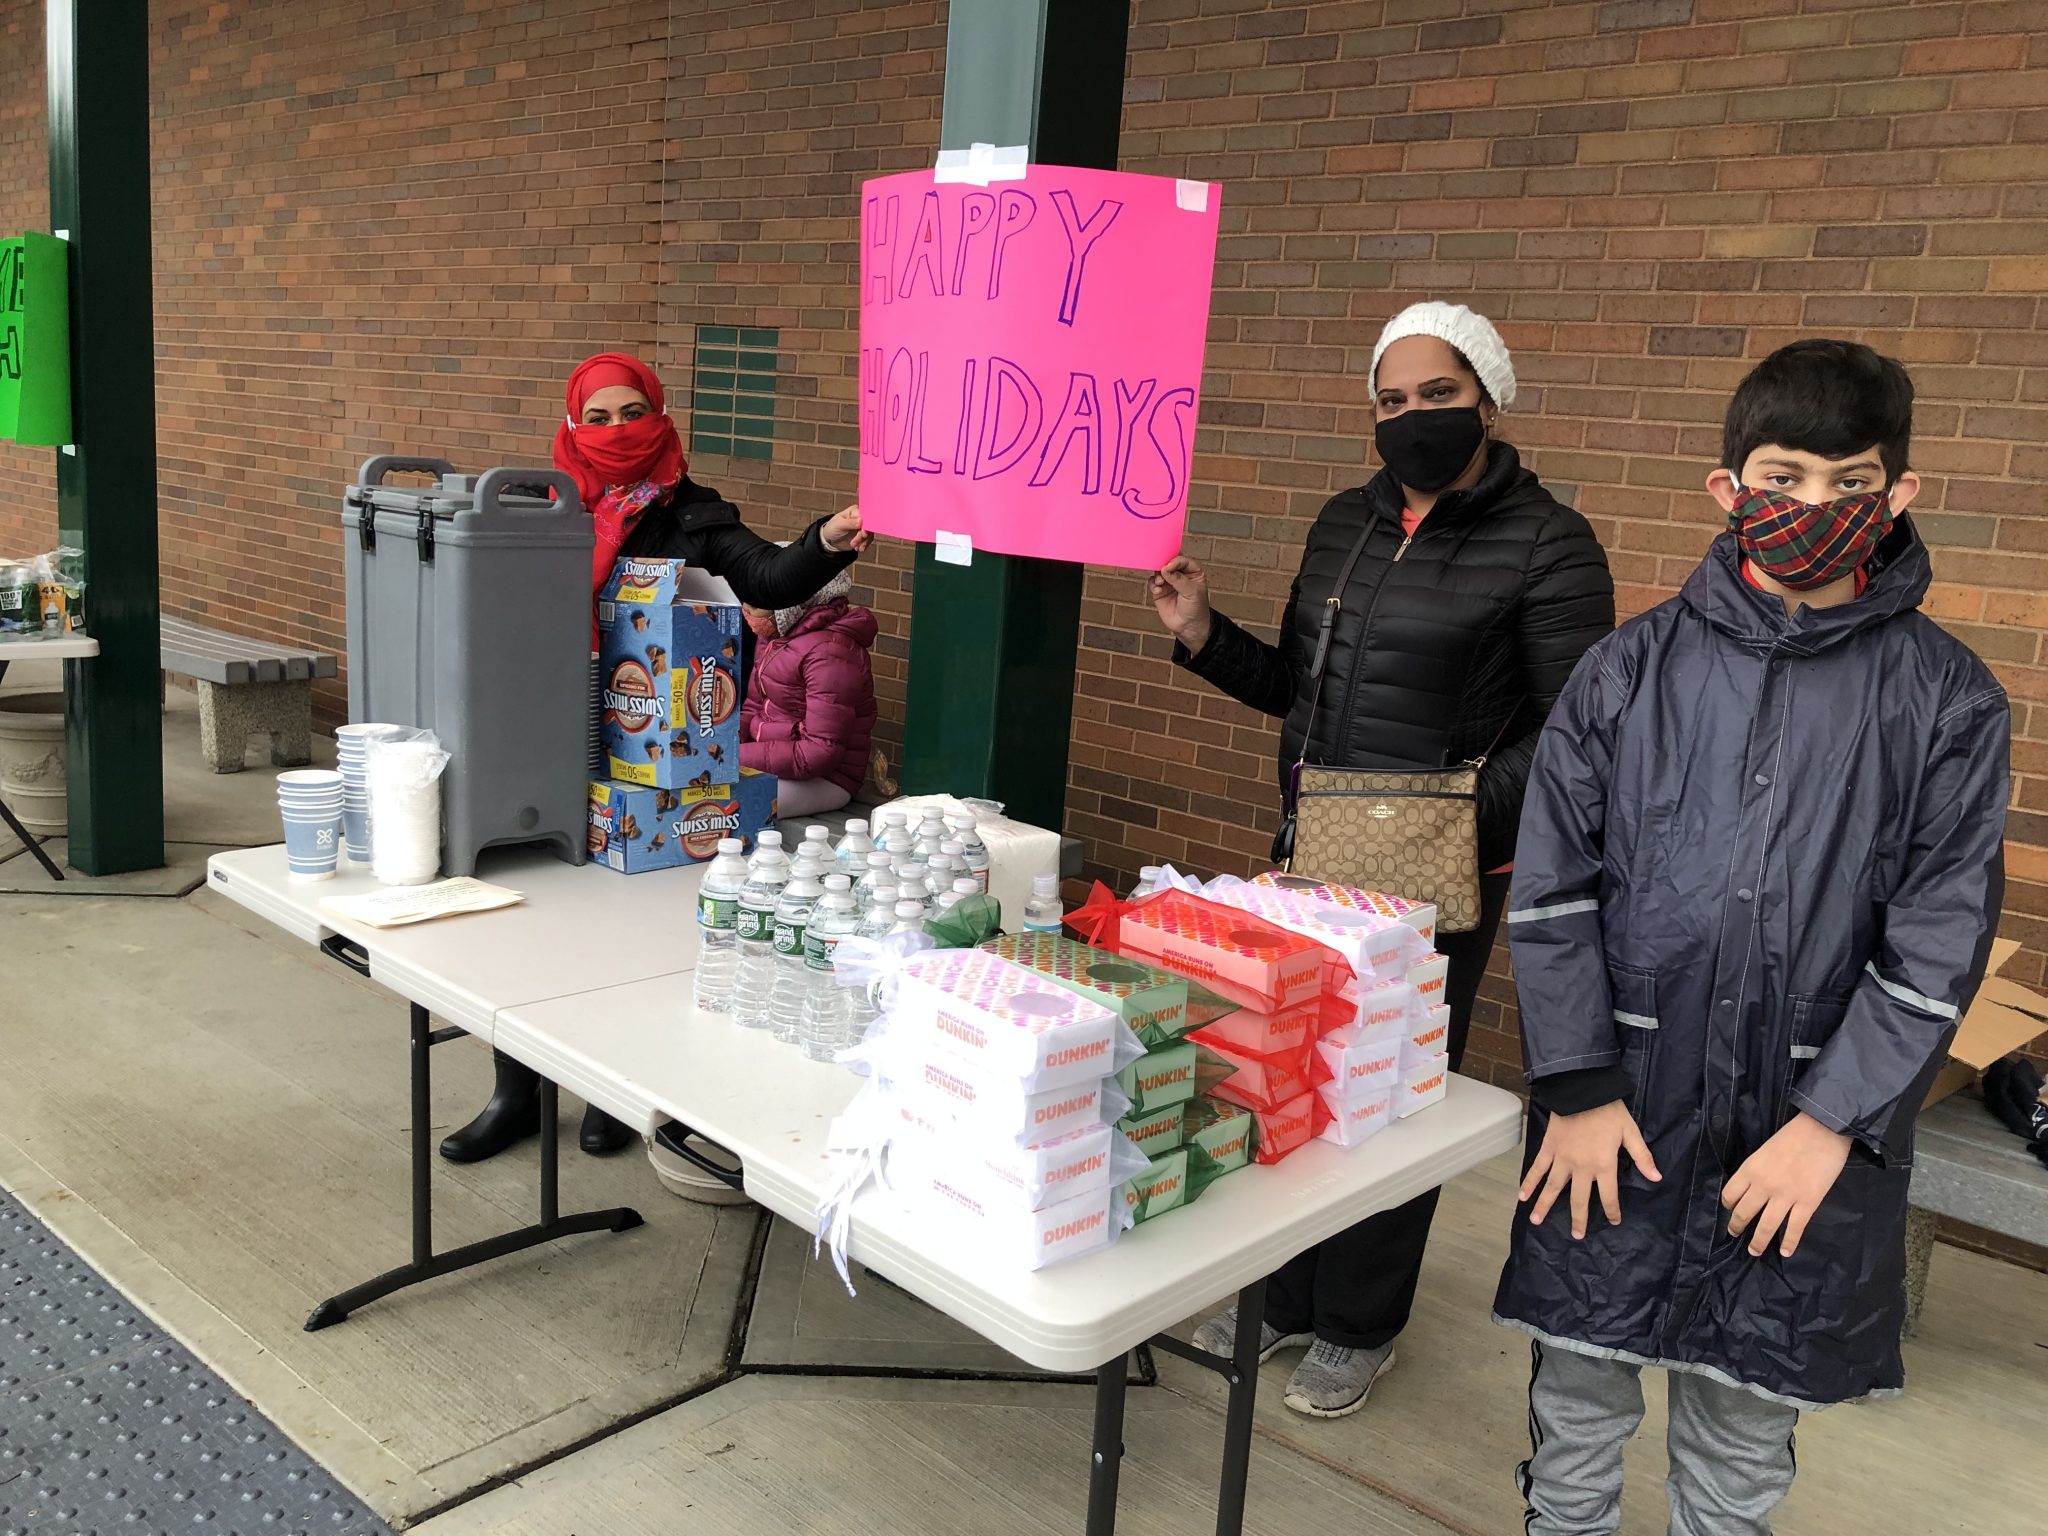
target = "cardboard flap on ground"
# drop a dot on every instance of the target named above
(2004, 1018)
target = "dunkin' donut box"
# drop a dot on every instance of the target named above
(634, 829)
(669, 668)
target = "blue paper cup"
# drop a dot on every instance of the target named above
(312, 844)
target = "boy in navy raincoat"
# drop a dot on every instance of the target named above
(1756, 886)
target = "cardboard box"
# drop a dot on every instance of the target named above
(1152, 1001)
(1007, 1021)
(1160, 1188)
(1419, 915)
(1362, 1062)
(1008, 1235)
(1353, 1122)
(1291, 1127)
(1249, 960)
(1367, 947)
(1158, 1133)
(1390, 1005)
(1160, 1078)
(669, 667)
(1266, 1082)
(1002, 1172)
(1422, 1086)
(942, 1087)
(634, 829)
(1428, 1039)
(1221, 1139)
(2005, 1017)
(1250, 1033)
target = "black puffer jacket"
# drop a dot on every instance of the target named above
(1449, 645)
(696, 524)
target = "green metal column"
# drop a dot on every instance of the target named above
(106, 481)
(992, 643)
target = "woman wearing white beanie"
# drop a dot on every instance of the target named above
(1471, 595)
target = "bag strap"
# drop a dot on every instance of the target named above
(1332, 606)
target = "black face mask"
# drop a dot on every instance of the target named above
(1429, 448)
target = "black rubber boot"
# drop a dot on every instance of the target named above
(602, 1135)
(512, 1115)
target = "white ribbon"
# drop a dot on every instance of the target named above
(1171, 879)
(857, 1142)
(872, 964)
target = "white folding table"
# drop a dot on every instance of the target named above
(37, 648)
(588, 983)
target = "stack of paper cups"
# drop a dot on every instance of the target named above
(310, 801)
(352, 743)
(405, 811)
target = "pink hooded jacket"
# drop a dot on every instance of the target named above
(810, 704)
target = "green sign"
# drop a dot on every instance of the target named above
(35, 341)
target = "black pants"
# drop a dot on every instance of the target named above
(1356, 1289)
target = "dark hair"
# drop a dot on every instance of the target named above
(1832, 398)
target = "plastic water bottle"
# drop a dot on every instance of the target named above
(973, 851)
(894, 819)
(881, 903)
(753, 991)
(1148, 882)
(942, 869)
(914, 893)
(854, 848)
(818, 844)
(962, 889)
(931, 835)
(899, 843)
(878, 869)
(718, 927)
(909, 918)
(1045, 912)
(792, 978)
(827, 1020)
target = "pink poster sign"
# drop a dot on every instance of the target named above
(1031, 360)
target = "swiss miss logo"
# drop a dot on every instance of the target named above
(639, 573)
(712, 694)
(702, 824)
(629, 698)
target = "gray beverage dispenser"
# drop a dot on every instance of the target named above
(469, 614)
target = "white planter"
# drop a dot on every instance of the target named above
(32, 762)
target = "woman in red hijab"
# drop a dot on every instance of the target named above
(620, 445)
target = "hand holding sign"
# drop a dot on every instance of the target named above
(1031, 360)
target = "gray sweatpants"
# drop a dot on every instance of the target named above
(1730, 1450)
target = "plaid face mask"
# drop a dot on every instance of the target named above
(1804, 545)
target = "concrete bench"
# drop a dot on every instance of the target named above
(246, 687)
(1968, 1167)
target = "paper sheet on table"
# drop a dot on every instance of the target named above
(397, 905)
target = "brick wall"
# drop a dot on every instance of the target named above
(1647, 195)
(378, 226)
(408, 249)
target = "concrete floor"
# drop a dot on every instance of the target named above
(215, 1116)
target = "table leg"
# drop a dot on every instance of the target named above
(29, 842)
(428, 1265)
(1107, 1462)
(1243, 1377)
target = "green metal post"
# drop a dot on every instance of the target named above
(106, 480)
(992, 643)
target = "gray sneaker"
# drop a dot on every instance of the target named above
(1219, 1337)
(1333, 1381)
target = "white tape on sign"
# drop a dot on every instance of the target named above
(1191, 196)
(952, 548)
(983, 163)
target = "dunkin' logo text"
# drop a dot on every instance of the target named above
(1082, 1169)
(1066, 1056)
(1156, 1018)
(1231, 1147)
(1079, 1227)
(961, 1030)
(1065, 1107)
(1184, 1073)
(1372, 1068)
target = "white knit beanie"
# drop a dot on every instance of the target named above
(1471, 333)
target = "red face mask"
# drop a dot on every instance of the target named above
(1803, 545)
(627, 452)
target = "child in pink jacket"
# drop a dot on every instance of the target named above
(809, 716)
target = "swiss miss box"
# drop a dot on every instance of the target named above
(669, 667)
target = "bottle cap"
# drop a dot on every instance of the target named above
(880, 859)
(856, 826)
(910, 911)
(967, 886)
(769, 839)
(838, 883)
(728, 846)
(1045, 885)
(1149, 872)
